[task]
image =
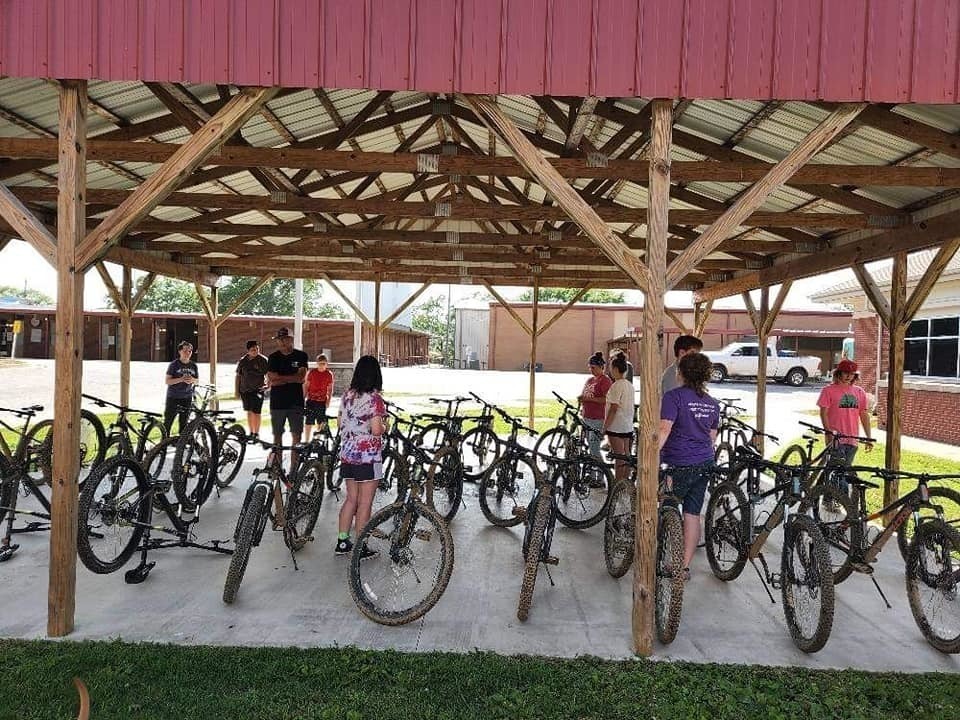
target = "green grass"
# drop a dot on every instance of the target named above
(183, 683)
(910, 460)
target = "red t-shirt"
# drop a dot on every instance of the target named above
(597, 387)
(319, 385)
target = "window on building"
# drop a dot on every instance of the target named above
(933, 347)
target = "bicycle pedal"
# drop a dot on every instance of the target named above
(520, 512)
(379, 534)
(551, 560)
(423, 535)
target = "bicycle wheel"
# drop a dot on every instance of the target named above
(411, 568)
(153, 433)
(9, 483)
(723, 455)
(194, 467)
(727, 523)
(445, 483)
(533, 555)
(806, 584)
(303, 504)
(38, 451)
(233, 448)
(618, 529)
(554, 443)
(334, 481)
(933, 584)
(479, 449)
(114, 509)
(158, 465)
(583, 492)
(947, 499)
(432, 437)
(253, 517)
(836, 516)
(670, 573)
(394, 480)
(508, 484)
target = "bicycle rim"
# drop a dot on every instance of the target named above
(669, 576)
(933, 584)
(806, 584)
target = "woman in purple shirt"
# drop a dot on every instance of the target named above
(688, 430)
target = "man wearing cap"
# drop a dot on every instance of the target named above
(286, 369)
(843, 408)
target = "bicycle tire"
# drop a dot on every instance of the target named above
(393, 481)
(619, 528)
(158, 465)
(334, 481)
(100, 515)
(723, 455)
(37, 449)
(796, 456)
(194, 466)
(445, 483)
(9, 483)
(933, 564)
(837, 518)
(947, 499)
(479, 449)
(245, 535)
(505, 486)
(303, 505)
(431, 437)
(154, 432)
(552, 444)
(231, 449)
(393, 533)
(584, 499)
(668, 593)
(533, 556)
(727, 523)
(805, 548)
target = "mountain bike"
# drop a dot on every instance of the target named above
(512, 480)
(735, 535)
(116, 518)
(295, 515)
(412, 556)
(477, 448)
(15, 477)
(207, 452)
(567, 437)
(733, 432)
(832, 454)
(92, 447)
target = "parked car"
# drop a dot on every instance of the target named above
(741, 359)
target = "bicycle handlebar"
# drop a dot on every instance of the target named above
(514, 421)
(100, 402)
(820, 431)
(746, 426)
(28, 411)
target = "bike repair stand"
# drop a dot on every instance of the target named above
(184, 539)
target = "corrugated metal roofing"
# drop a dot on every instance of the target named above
(917, 263)
(891, 51)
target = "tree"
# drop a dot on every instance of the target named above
(25, 295)
(274, 298)
(565, 295)
(433, 318)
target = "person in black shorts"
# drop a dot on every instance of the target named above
(180, 378)
(286, 370)
(250, 384)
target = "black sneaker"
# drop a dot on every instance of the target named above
(343, 547)
(253, 439)
(366, 553)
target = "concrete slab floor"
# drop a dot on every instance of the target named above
(586, 612)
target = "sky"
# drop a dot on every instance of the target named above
(20, 263)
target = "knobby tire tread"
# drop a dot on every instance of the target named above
(244, 542)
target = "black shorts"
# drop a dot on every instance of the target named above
(252, 401)
(364, 472)
(315, 412)
(625, 436)
(280, 418)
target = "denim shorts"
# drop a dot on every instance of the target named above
(690, 485)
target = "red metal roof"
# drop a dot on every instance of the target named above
(874, 50)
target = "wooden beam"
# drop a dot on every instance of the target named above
(145, 284)
(125, 333)
(701, 314)
(26, 226)
(352, 305)
(755, 319)
(506, 306)
(929, 279)
(242, 298)
(534, 332)
(678, 321)
(561, 191)
(187, 158)
(582, 115)
(781, 298)
(376, 317)
(751, 199)
(405, 304)
(151, 262)
(112, 289)
(762, 362)
(209, 310)
(895, 355)
(916, 236)
(68, 368)
(873, 293)
(562, 311)
(648, 452)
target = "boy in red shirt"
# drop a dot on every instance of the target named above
(318, 388)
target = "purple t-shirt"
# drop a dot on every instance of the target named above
(693, 417)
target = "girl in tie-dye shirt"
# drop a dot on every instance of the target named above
(362, 422)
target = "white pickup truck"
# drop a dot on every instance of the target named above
(740, 359)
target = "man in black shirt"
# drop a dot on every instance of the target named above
(249, 385)
(286, 370)
(180, 378)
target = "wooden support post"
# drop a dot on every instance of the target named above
(562, 311)
(71, 228)
(405, 304)
(125, 335)
(350, 303)
(212, 344)
(701, 314)
(506, 306)
(677, 320)
(376, 318)
(27, 226)
(648, 454)
(762, 337)
(244, 296)
(533, 346)
(898, 333)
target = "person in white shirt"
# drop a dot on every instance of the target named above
(618, 422)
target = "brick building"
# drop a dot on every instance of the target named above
(931, 388)
(586, 328)
(155, 336)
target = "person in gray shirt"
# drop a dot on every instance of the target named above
(683, 345)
